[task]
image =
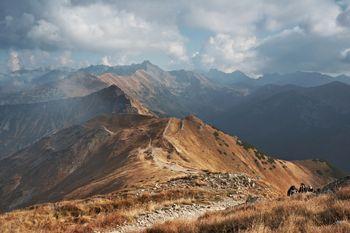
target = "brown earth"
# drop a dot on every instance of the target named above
(130, 151)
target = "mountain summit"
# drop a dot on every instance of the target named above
(23, 124)
(117, 152)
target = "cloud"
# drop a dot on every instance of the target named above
(65, 59)
(96, 27)
(105, 61)
(254, 36)
(269, 36)
(14, 62)
(45, 34)
(228, 53)
(13, 31)
(33, 59)
(296, 49)
(252, 17)
(343, 19)
(345, 55)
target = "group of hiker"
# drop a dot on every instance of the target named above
(302, 189)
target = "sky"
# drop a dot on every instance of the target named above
(253, 36)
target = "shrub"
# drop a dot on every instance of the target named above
(216, 134)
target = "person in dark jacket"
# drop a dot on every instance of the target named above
(302, 188)
(292, 190)
(310, 189)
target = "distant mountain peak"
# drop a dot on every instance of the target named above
(121, 70)
(334, 84)
(234, 77)
(110, 92)
(112, 87)
(147, 62)
(214, 70)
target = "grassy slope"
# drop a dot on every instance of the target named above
(302, 213)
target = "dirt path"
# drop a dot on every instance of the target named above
(193, 211)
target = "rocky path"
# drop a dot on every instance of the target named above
(192, 211)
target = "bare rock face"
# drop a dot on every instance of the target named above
(23, 124)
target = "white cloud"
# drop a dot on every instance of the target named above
(253, 16)
(105, 61)
(45, 33)
(245, 33)
(229, 53)
(345, 55)
(14, 62)
(32, 59)
(253, 35)
(65, 59)
(102, 28)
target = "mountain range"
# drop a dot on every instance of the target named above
(294, 122)
(102, 131)
(300, 109)
(117, 152)
(23, 124)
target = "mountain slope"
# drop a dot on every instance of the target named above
(236, 78)
(122, 70)
(51, 86)
(295, 122)
(299, 78)
(116, 152)
(174, 93)
(23, 124)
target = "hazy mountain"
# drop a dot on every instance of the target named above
(175, 93)
(213, 96)
(23, 79)
(122, 70)
(304, 79)
(295, 122)
(343, 78)
(23, 124)
(19, 80)
(116, 152)
(52, 86)
(299, 78)
(236, 77)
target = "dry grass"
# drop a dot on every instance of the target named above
(94, 213)
(302, 213)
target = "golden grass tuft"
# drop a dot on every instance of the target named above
(301, 213)
(89, 215)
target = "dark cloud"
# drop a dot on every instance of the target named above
(251, 35)
(14, 30)
(297, 50)
(17, 19)
(343, 18)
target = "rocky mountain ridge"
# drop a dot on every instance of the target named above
(128, 151)
(23, 124)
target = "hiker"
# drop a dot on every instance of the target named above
(302, 188)
(310, 189)
(292, 190)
